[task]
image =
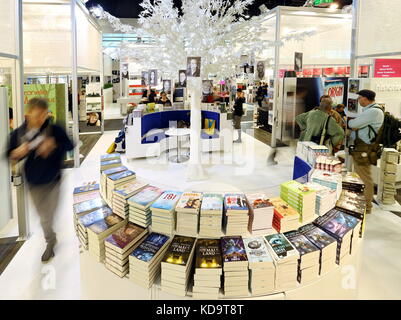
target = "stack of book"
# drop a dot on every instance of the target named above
(326, 198)
(163, 212)
(116, 180)
(328, 179)
(188, 208)
(354, 204)
(110, 156)
(82, 208)
(144, 261)
(352, 182)
(235, 266)
(301, 198)
(108, 164)
(285, 218)
(309, 263)
(119, 245)
(387, 177)
(236, 214)
(105, 174)
(211, 215)
(342, 227)
(208, 269)
(90, 218)
(326, 243)
(122, 194)
(139, 205)
(261, 211)
(285, 259)
(176, 265)
(86, 192)
(261, 265)
(100, 230)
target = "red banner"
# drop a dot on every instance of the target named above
(387, 68)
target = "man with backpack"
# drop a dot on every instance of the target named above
(364, 151)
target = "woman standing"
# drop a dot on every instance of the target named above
(238, 113)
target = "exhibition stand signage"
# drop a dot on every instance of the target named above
(387, 68)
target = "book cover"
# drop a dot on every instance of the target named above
(283, 209)
(121, 175)
(235, 201)
(208, 254)
(86, 188)
(179, 250)
(212, 202)
(281, 246)
(111, 171)
(259, 201)
(336, 223)
(95, 216)
(106, 223)
(233, 249)
(89, 205)
(150, 247)
(189, 201)
(146, 196)
(111, 156)
(300, 242)
(353, 178)
(167, 200)
(86, 196)
(256, 250)
(130, 188)
(298, 188)
(109, 162)
(320, 238)
(125, 235)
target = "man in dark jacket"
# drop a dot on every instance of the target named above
(43, 146)
(238, 113)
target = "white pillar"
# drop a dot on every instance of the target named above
(195, 169)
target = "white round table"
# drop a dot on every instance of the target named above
(178, 132)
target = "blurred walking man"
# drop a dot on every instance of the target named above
(42, 145)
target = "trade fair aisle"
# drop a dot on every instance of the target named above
(65, 277)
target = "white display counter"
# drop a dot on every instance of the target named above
(147, 138)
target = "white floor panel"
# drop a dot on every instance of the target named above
(27, 278)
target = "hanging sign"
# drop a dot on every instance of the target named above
(387, 68)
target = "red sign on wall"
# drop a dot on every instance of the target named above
(387, 68)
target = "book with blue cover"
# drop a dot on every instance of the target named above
(146, 197)
(108, 163)
(317, 236)
(150, 247)
(94, 216)
(233, 249)
(86, 188)
(87, 206)
(121, 175)
(166, 202)
(337, 223)
(129, 189)
(110, 156)
(115, 170)
(236, 203)
(281, 248)
(212, 203)
(301, 243)
(105, 224)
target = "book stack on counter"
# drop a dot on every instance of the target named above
(285, 258)
(326, 243)
(85, 207)
(105, 174)
(342, 227)
(122, 194)
(387, 190)
(211, 215)
(116, 180)
(144, 261)
(352, 182)
(328, 179)
(354, 204)
(187, 209)
(110, 156)
(86, 192)
(309, 263)
(163, 212)
(261, 211)
(301, 198)
(208, 269)
(235, 266)
(285, 218)
(176, 265)
(90, 218)
(119, 245)
(100, 230)
(261, 265)
(109, 163)
(236, 214)
(139, 205)
(326, 198)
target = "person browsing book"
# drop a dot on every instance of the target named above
(43, 146)
(164, 100)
